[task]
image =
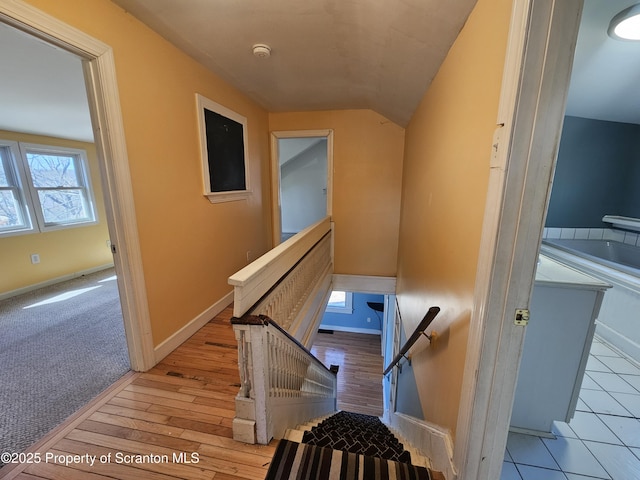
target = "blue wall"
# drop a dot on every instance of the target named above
(358, 319)
(408, 398)
(597, 173)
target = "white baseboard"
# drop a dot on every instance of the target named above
(338, 328)
(53, 281)
(178, 338)
(430, 440)
(615, 339)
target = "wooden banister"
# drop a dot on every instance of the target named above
(420, 329)
(256, 279)
(265, 320)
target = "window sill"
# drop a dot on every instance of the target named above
(228, 196)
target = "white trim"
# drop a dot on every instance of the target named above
(203, 103)
(275, 174)
(16, 172)
(257, 278)
(621, 343)
(53, 281)
(338, 328)
(537, 71)
(429, 439)
(104, 103)
(364, 284)
(81, 165)
(618, 221)
(182, 335)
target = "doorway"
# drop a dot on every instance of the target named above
(594, 177)
(98, 67)
(63, 340)
(106, 119)
(301, 172)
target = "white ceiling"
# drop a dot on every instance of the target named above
(289, 148)
(605, 82)
(326, 54)
(41, 88)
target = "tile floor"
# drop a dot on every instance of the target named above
(602, 441)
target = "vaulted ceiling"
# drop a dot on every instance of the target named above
(325, 54)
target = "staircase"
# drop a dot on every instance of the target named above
(346, 446)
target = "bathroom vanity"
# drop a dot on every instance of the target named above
(563, 311)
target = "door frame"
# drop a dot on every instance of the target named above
(106, 116)
(276, 222)
(535, 83)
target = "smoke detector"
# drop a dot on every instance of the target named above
(261, 50)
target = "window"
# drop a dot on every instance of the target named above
(43, 188)
(340, 302)
(13, 206)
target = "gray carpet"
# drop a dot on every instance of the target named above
(56, 356)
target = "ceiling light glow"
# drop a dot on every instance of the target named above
(626, 24)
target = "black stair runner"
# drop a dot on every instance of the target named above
(357, 433)
(346, 446)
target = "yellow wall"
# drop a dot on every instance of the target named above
(367, 178)
(62, 252)
(447, 150)
(189, 246)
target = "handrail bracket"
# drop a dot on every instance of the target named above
(420, 330)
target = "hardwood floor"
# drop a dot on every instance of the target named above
(360, 374)
(178, 414)
(175, 421)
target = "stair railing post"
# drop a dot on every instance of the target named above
(251, 423)
(261, 384)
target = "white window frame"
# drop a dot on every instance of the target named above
(203, 103)
(348, 304)
(27, 192)
(12, 165)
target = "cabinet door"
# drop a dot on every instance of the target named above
(556, 347)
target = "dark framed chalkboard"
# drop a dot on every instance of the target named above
(223, 148)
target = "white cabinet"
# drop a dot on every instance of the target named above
(563, 311)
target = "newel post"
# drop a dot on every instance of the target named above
(251, 424)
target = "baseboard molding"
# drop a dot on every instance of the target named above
(178, 338)
(53, 281)
(430, 440)
(623, 344)
(338, 328)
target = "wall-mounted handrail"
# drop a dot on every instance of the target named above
(420, 329)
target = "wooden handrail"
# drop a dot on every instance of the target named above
(256, 279)
(420, 329)
(265, 320)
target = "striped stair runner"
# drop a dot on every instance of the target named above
(346, 446)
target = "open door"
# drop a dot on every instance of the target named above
(301, 179)
(535, 84)
(104, 104)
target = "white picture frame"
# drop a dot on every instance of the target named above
(223, 151)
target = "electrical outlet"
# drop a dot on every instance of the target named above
(248, 255)
(35, 258)
(368, 319)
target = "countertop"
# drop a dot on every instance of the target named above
(552, 272)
